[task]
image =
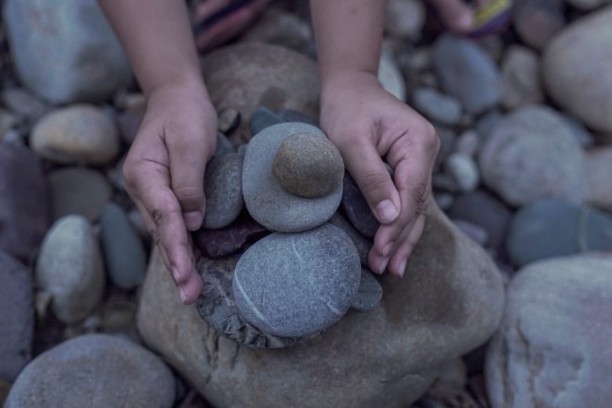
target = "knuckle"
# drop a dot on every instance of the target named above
(430, 139)
(374, 182)
(189, 197)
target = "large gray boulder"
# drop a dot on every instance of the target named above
(553, 348)
(450, 302)
(64, 50)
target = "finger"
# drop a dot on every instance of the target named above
(162, 207)
(401, 253)
(208, 8)
(188, 156)
(367, 168)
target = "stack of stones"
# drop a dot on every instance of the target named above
(306, 274)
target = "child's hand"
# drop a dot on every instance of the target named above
(367, 123)
(164, 173)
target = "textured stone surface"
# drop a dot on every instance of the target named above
(483, 209)
(295, 285)
(17, 317)
(70, 269)
(521, 77)
(76, 190)
(362, 244)
(95, 370)
(450, 302)
(228, 240)
(530, 154)
(24, 201)
(247, 76)
(550, 228)
(467, 72)
(223, 189)
(598, 168)
(267, 202)
(552, 349)
(308, 166)
(216, 305)
(65, 51)
(576, 68)
(357, 209)
(76, 134)
(124, 254)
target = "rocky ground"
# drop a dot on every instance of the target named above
(525, 121)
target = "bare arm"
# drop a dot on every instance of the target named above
(164, 169)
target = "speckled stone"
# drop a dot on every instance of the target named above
(123, 250)
(76, 134)
(223, 189)
(308, 166)
(96, 371)
(267, 202)
(295, 285)
(80, 191)
(70, 269)
(362, 244)
(216, 305)
(357, 209)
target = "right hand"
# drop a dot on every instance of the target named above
(164, 174)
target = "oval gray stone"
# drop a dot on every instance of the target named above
(294, 285)
(81, 191)
(369, 294)
(532, 153)
(69, 267)
(95, 370)
(124, 253)
(267, 202)
(308, 166)
(223, 189)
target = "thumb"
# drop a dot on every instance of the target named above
(371, 175)
(187, 166)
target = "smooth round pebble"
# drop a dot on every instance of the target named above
(223, 189)
(267, 202)
(441, 108)
(76, 134)
(70, 269)
(80, 191)
(123, 250)
(297, 284)
(95, 371)
(308, 166)
(464, 170)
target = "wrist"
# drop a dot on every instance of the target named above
(335, 82)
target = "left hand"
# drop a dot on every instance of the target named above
(366, 123)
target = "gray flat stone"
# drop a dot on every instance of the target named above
(369, 294)
(296, 285)
(223, 189)
(267, 202)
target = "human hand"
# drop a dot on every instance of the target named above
(367, 123)
(164, 173)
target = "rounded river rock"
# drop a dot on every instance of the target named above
(308, 166)
(297, 284)
(267, 202)
(223, 188)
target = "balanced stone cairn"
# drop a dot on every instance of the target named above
(304, 270)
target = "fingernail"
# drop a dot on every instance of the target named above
(386, 211)
(193, 220)
(183, 295)
(383, 265)
(402, 269)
